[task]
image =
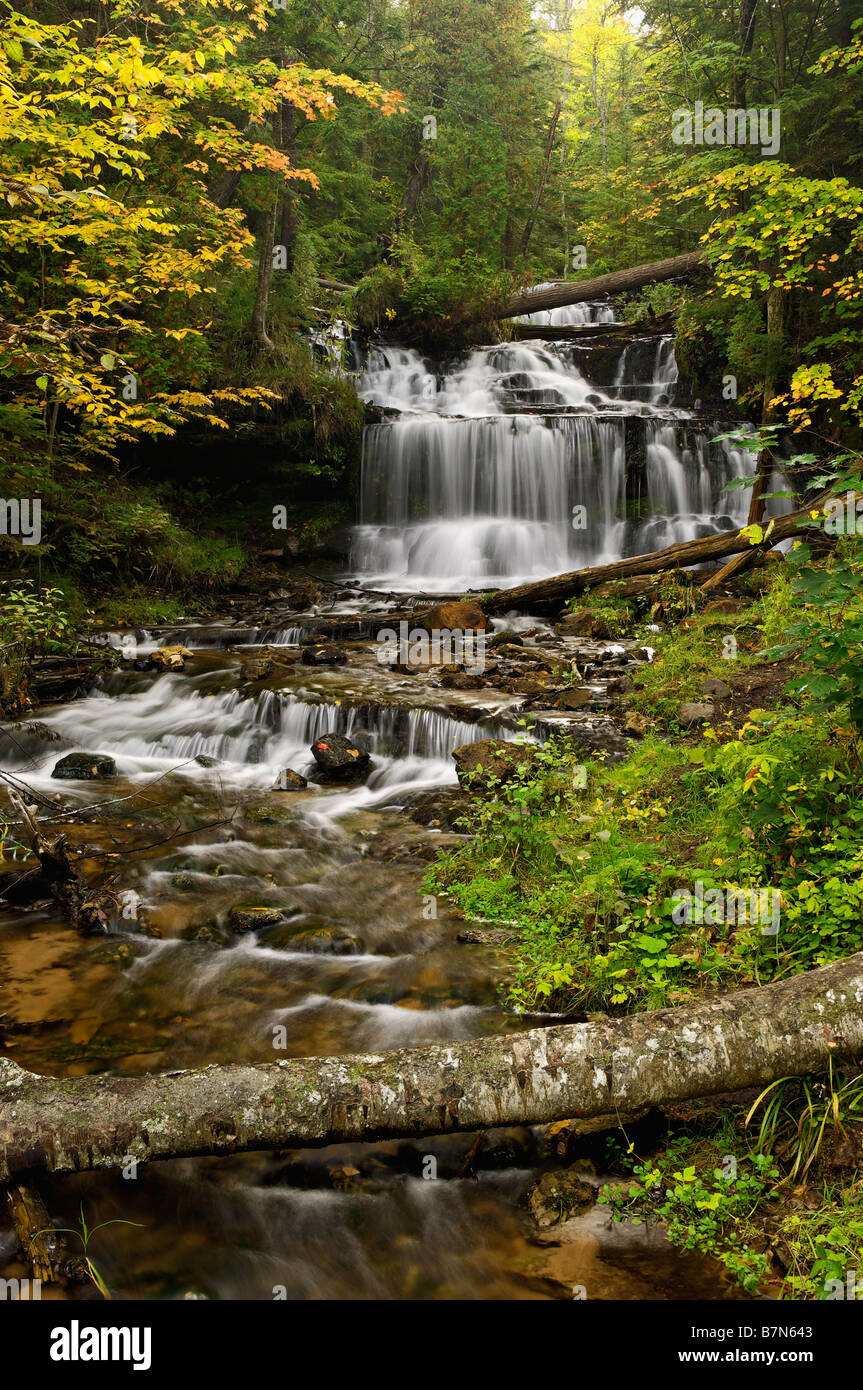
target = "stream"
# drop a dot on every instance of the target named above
(474, 477)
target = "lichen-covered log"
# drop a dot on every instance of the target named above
(749, 1037)
(579, 291)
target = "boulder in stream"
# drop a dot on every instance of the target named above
(340, 757)
(456, 616)
(85, 767)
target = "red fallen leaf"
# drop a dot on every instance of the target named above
(324, 745)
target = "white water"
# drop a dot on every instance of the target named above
(164, 726)
(478, 476)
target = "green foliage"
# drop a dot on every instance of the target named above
(828, 632)
(708, 1210)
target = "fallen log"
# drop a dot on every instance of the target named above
(612, 1066)
(46, 1249)
(546, 593)
(579, 291)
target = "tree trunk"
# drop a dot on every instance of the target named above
(288, 146)
(258, 323)
(576, 292)
(745, 1038)
(745, 39)
(560, 587)
(540, 187)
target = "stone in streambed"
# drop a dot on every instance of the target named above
(457, 616)
(461, 680)
(574, 697)
(340, 757)
(323, 656)
(559, 1196)
(289, 781)
(328, 941)
(242, 919)
(257, 669)
(170, 658)
(85, 767)
(583, 623)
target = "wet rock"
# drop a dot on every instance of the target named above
(204, 760)
(170, 658)
(477, 765)
(323, 656)
(690, 713)
(304, 597)
(620, 685)
(575, 697)
(184, 883)
(456, 615)
(716, 689)
(243, 919)
(85, 767)
(341, 757)
(583, 623)
(461, 680)
(258, 669)
(504, 639)
(531, 685)
(289, 781)
(559, 1196)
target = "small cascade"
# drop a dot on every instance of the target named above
(169, 723)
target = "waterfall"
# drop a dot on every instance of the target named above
(510, 463)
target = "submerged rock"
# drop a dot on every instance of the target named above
(265, 814)
(337, 756)
(85, 767)
(330, 941)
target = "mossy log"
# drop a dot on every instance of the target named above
(612, 1066)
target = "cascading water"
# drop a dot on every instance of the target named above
(511, 465)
